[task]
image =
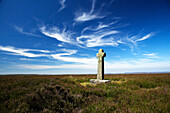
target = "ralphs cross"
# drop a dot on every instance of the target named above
(100, 69)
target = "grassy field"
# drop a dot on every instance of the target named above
(73, 93)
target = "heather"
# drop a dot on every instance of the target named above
(74, 93)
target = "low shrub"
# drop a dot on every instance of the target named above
(128, 93)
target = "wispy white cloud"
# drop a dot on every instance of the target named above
(66, 52)
(82, 17)
(93, 6)
(43, 51)
(101, 33)
(64, 55)
(22, 52)
(132, 41)
(99, 27)
(87, 16)
(73, 59)
(111, 1)
(60, 45)
(98, 38)
(62, 2)
(55, 32)
(26, 59)
(101, 38)
(64, 35)
(146, 37)
(151, 55)
(137, 38)
(20, 30)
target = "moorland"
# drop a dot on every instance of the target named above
(74, 93)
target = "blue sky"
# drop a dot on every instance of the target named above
(63, 36)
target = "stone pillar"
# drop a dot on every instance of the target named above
(100, 70)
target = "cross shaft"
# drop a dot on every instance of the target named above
(100, 72)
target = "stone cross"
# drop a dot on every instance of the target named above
(100, 71)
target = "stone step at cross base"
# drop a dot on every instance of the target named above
(99, 81)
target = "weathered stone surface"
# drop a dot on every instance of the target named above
(100, 70)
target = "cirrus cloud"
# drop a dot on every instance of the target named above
(87, 16)
(62, 56)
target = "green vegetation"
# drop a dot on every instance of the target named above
(73, 93)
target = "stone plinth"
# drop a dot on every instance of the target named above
(98, 81)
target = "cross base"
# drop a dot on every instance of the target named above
(98, 81)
